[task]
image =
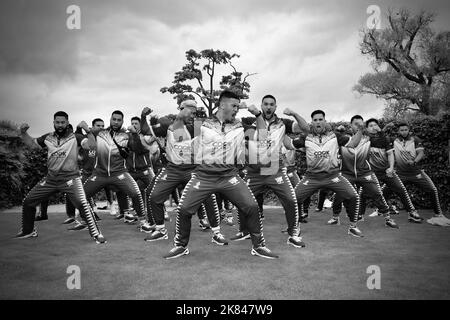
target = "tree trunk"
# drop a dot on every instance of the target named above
(425, 101)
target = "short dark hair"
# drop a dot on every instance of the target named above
(269, 96)
(402, 124)
(372, 120)
(228, 94)
(355, 117)
(96, 120)
(136, 118)
(317, 112)
(117, 112)
(61, 114)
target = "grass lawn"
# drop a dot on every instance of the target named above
(414, 262)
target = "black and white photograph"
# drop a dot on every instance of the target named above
(224, 156)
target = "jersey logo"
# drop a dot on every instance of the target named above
(69, 183)
(368, 178)
(306, 182)
(279, 180)
(121, 177)
(92, 153)
(335, 180)
(93, 178)
(42, 183)
(164, 177)
(197, 185)
(290, 175)
(419, 176)
(234, 181)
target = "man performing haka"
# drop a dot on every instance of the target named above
(382, 161)
(357, 170)
(87, 166)
(113, 145)
(218, 150)
(265, 163)
(180, 157)
(322, 148)
(409, 152)
(63, 173)
(139, 167)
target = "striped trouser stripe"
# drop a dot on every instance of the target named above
(177, 210)
(406, 196)
(296, 230)
(254, 199)
(437, 204)
(355, 218)
(92, 224)
(136, 189)
(150, 212)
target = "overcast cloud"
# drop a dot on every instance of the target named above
(305, 53)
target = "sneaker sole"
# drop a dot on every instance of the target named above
(165, 237)
(295, 245)
(414, 220)
(31, 235)
(219, 243)
(334, 224)
(68, 222)
(149, 231)
(184, 253)
(355, 235)
(240, 239)
(255, 253)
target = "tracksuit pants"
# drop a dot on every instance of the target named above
(281, 185)
(48, 186)
(70, 208)
(164, 184)
(423, 181)
(200, 187)
(370, 187)
(123, 182)
(395, 185)
(336, 183)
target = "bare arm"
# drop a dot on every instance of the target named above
(27, 139)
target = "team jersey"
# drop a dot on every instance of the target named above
(355, 161)
(62, 154)
(380, 147)
(138, 161)
(109, 161)
(322, 152)
(220, 147)
(180, 147)
(265, 154)
(406, 149)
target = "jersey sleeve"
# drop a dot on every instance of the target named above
(41, 140)
(160, 129)
(289, 124)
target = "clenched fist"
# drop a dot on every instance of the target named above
(253, 109)
(24, 127)
(83, 125)
(288, 112)
(146, 111)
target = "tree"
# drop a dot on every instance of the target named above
(409, 61)
(204, 76)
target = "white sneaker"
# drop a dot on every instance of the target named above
(113, 210)
(374, 214)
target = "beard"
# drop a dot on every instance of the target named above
(60, 131)
(268, 114)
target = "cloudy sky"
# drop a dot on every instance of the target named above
(304, 52)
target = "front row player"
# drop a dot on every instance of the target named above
(220, 146)
(322, 148)
(63, 173)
